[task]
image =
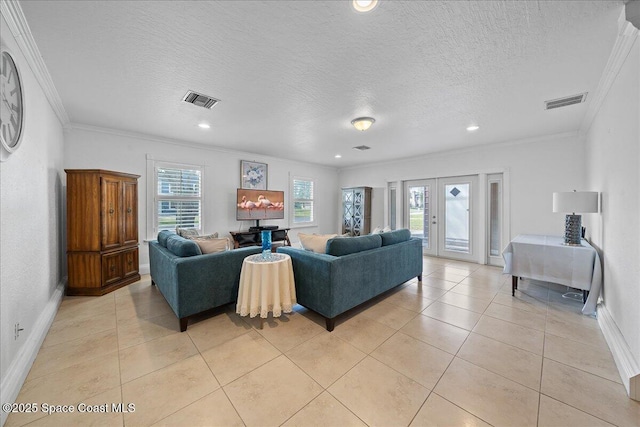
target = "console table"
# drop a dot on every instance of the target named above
(547, 258)
(242, 239)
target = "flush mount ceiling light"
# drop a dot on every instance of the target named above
(204, 125)
(363, 123)
(364, 5)
(338, 156)
(473, 128)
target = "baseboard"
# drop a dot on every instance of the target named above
(144, 269)
(19, 369)
(628, 366)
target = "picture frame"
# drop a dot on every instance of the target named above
(253, 175)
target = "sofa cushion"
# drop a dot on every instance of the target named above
(163, 236)
(211, 245)
(396, 236)
(182, 247)
(315, 242)
(339, 246)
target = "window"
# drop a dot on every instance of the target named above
(303, 212)
(177, 197)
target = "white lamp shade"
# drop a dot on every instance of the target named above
(576, 202)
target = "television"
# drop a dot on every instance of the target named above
(256, 205)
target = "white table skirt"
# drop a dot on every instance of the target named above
(546, 258)
(266, 286)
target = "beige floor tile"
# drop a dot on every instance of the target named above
(324, 411)
(439, 412)
(521, 302)
(378, 395)
(436, 333)
(478, 305)
(363, 333)
(214, 409)
(69, 385)
(238, 356)
(487, 282)
(152, 355)
(519, 317)
(389, 314)
(85, 307)
(532, 288)
(595, 360)
(271, 394)
(289, 330)
(511, 362)
(217, 329)
(165, 391)
(460, 270)
(453, 315)
(325, 358)
(475, 291)
(138, 331)
(448, 276)
(56, 357)
(571, 314)
(509, 333)
(88, 412)
(488, 396)
(597, 396)
(576, 332)
(433, 282)
(423, 290)
(409, 301)
(74, 328)
(419, 361)
(557, 414)
(128, 308)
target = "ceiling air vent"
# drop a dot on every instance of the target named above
(200, 100)
(362, 147)
(566, 101)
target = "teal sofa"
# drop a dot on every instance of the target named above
(190, 281)
(353, 270)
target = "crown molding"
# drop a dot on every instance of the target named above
(12, 13)
(627, 35)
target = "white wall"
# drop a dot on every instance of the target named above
(536, 169)
(99, 149)
(613, 164)
(31, 231)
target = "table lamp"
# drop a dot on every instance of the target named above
(570, 203)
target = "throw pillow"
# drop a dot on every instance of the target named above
(207, 237)
(212, 245)
(315, 242)
(377, 230)
(186, 232)
(386, 229)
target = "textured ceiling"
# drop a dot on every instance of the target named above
(292, 75)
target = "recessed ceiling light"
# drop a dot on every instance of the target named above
(473, 128)
(364, 5)
(204, 125)
(338, 156)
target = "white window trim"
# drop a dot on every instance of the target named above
(313, 223)
(152, 185)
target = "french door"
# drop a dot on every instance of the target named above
(442, 212)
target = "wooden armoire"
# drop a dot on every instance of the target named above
(356, 211)
(102, 231)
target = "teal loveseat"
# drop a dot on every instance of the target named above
(353, 270)
(191, 282)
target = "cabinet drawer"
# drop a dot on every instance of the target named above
(130, 262)
(111, 268)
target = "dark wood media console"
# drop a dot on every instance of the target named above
(243, 239)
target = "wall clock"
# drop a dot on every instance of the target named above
(11, 106)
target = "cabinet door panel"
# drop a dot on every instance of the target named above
(111, 213)
(111, 268)
(130, 212)
(130, 262)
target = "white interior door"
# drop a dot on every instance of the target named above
(420, 208)
(458, 225)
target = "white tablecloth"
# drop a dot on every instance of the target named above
(546, 258)
(266, 286)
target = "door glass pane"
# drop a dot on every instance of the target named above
(494, 219)
(419, 213)
(456, 198)
(392, 208)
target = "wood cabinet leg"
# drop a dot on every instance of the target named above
(514, 285)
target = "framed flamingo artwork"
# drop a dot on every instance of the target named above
(253, 175)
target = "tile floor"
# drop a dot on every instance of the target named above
(456, 350)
